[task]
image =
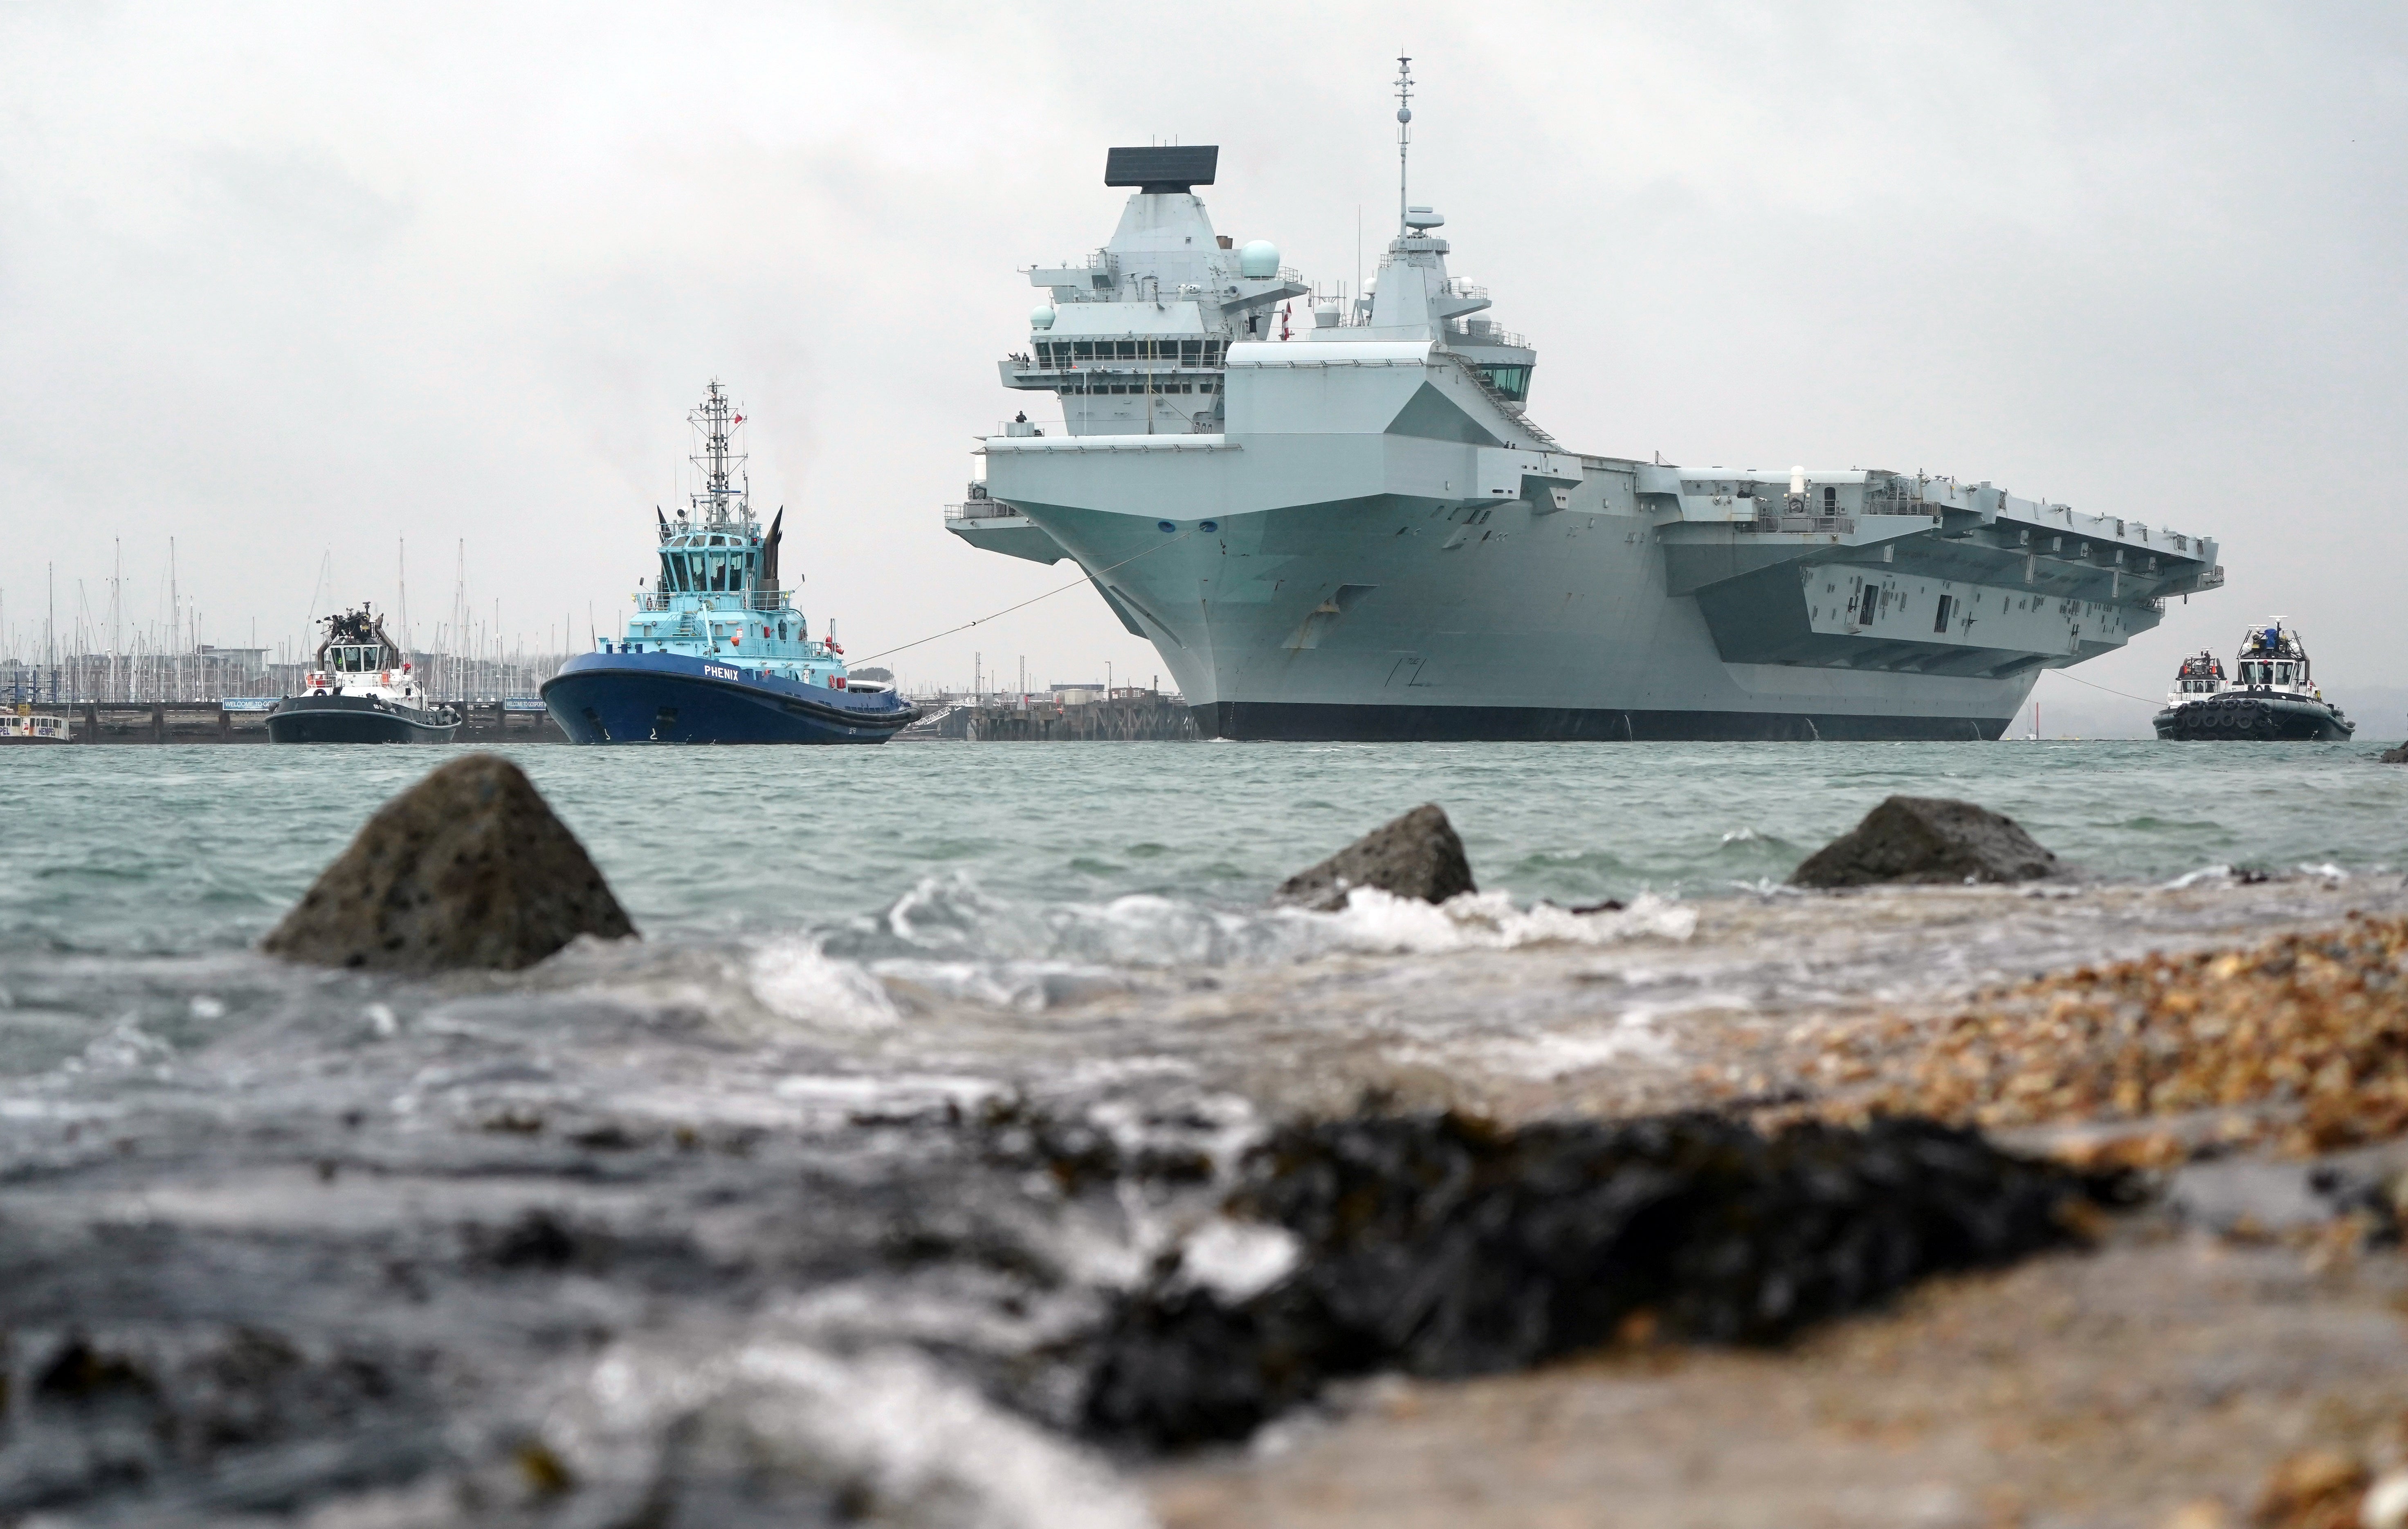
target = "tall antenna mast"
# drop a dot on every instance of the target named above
(717, 421)
(1404, 132)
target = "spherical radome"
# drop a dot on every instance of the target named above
(1258, 261)
(1041, 316)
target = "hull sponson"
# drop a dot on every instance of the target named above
(349, 718)
(1325, 723)
(672, 698)
(1552, 626)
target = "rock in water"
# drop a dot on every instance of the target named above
(1926, 838)
(1415, 856)
(467, 868)
(2395, 756)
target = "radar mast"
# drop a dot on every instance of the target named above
(1404, 135)
(722, 499)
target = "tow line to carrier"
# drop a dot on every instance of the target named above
(1031, 600)
(2094, 685)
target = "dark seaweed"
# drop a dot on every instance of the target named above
(1442, 1246)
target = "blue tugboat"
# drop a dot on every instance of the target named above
(716, 651)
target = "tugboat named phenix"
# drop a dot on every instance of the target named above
(717, 652)
(2271, 699)
(364, 690)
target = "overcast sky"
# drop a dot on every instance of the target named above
(281, 281)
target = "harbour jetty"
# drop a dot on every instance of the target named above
(1126, 716)
(240, 721)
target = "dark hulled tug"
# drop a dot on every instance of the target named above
(2269, 697)
(363, 689)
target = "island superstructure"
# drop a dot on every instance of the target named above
(1346, 523)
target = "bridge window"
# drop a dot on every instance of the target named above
(1513, 382)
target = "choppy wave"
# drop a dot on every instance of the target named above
(886, 1430)
(948, 936)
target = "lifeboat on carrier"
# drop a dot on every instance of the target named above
(2269, 697)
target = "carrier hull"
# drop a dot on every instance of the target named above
(1310, 723)
(674, 698)
(1389, 617)
(355, 719)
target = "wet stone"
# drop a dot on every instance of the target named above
(1442, 1246)
(466, 869)
(1928, 839)
(1417, 855)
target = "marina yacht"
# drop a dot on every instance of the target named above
(2269, 697)
(363, 689)
(716, 651)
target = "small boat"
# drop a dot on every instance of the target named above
(2269, 697)
(363, 689)
(716, 651)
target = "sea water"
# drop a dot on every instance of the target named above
(131, 851)
(784, 1176)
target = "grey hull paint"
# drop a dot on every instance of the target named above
(1308, 724)
(1553, 625)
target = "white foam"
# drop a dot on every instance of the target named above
(1237, 1260)
(1377, 920)
(794, 980)
(887, 1425)
(1558, 1054)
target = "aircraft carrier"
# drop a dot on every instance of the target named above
(1339, 520)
